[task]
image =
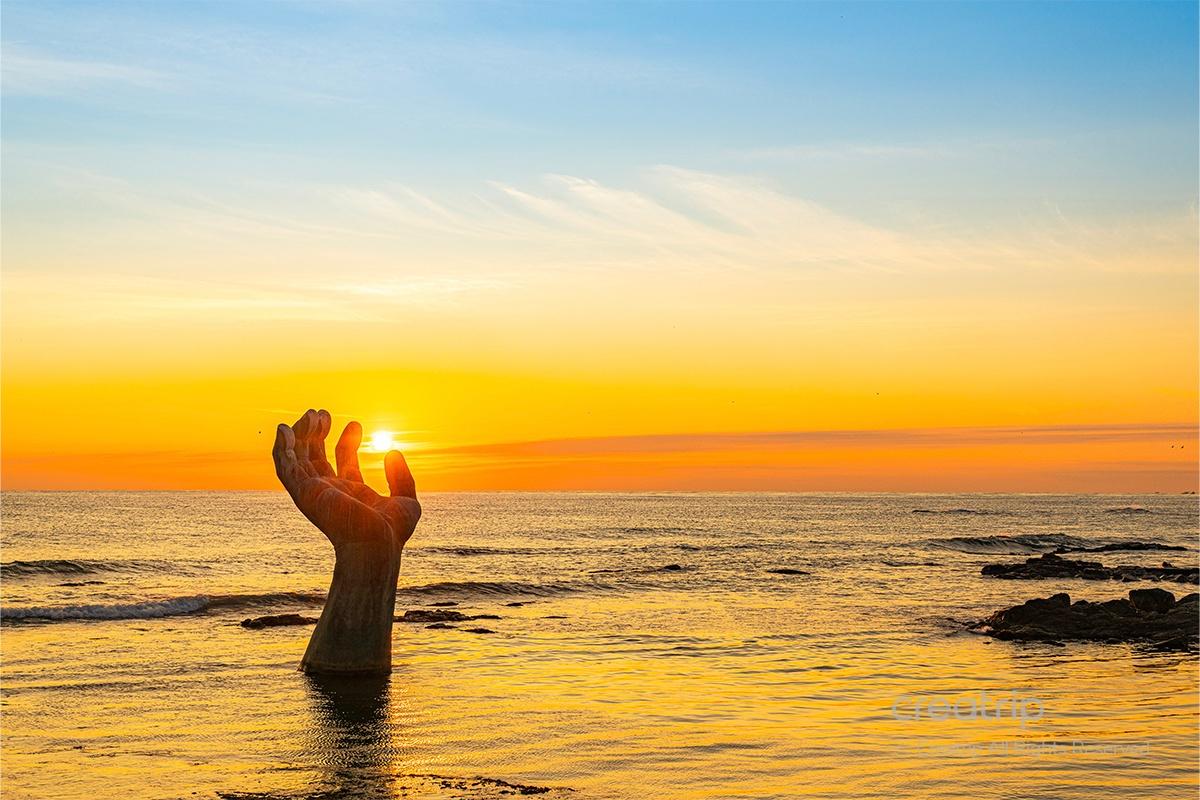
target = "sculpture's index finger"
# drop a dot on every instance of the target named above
(346, 453)
(284, 453)
(316, 444)
(303, 430)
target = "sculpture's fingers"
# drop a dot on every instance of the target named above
(399, 478)
(316, 445)
(284, 454)
(346, 453)
(303, 429)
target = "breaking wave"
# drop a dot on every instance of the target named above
(155, 609)
(82, 566)
(195, 604)
(1008, 545)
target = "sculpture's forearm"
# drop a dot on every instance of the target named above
(354, 634)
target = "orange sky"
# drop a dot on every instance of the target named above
(116, 381)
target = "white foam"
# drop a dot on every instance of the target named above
(147, 610)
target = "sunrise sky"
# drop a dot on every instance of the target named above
(627, 246)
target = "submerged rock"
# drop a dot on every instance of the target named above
(1149, 615)
(788, 571)
(1050, 565)
(440, 626)
(420, 615)
(478, 630)
(277, 620)
(426, 615)
(386, 783)
(671, 567)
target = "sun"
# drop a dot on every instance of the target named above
(381, 441)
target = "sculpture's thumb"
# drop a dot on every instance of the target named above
(399, 478)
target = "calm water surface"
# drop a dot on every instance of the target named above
(126, 673)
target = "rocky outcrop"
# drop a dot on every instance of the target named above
(1148, 615)
(1050, 565)
(788, 571)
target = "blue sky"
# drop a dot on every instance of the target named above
(889, 112)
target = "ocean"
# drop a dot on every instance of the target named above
(643, 649)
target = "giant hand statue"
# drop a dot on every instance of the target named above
(368, 532)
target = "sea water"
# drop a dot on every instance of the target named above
(644, 649)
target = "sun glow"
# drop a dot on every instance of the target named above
(382, 441)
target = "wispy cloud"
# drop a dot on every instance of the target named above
(704, 220)
(28, 72)
(889, 151)
(847, 151)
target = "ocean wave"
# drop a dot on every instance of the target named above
(1008, 545)
(642, 529)
(83, 566)
(155, 609)
(955, 511)
(468, 589)
(149, 609)
(195, 604)
(472, 550)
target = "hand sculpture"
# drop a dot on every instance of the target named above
(368, 532)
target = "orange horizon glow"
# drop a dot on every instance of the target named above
(1122, 459)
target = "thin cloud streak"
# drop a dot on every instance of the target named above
(909, 437)
(26, 72)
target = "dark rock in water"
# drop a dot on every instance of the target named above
(1126, 546)
(478, 630)
(440, 626)
(672, 567)
(443, 604)
(515, 604)
(1127, 510)
(1050, 565)
(419, 615)
(555, 616)
(415, 615)
(1149, 615)
(276, 620)
(788, 571)
(1158, 601)
(371, 784)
